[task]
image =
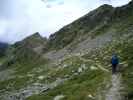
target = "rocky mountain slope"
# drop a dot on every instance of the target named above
(3, 47)
(74, 63)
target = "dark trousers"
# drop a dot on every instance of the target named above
(114, 68)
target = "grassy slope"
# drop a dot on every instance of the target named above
(94, 81)
(23, 60)
(89, 82)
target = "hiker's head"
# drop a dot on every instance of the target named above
(114, 52)
(114, 55)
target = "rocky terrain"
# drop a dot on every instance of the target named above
(74, 63)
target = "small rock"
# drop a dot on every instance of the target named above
(80, 70)
(83, 66)
(90, 96)
(75, 74)
(93, 68)
(77, 54)
(73, 71)
(41, 77)
(30, 75)
(66, 76)
(97, 61)
(96, 58)
(126, 65)
(64, 66)
(59, 97)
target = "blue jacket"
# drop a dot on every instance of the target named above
(114, 60)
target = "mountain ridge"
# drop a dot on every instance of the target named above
(109, 14)
(74, 63)
(102, 10)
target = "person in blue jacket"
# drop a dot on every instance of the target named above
(114, 62)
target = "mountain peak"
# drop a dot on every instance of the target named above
(35, 35)
(106, 6)
(33, 41)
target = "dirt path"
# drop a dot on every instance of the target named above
(114, 91)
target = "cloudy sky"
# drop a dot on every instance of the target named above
(21, 18)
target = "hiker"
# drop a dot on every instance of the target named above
(114, 62)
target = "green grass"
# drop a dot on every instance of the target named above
(13, 84)
(76, 88)
(22, 63)
(88, 82)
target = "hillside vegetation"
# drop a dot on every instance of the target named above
(74, 63)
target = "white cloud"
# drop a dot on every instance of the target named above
(20, 18)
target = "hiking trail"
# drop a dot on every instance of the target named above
(114, 92)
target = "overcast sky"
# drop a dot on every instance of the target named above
(21, 18)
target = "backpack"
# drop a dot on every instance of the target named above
(114, 60)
